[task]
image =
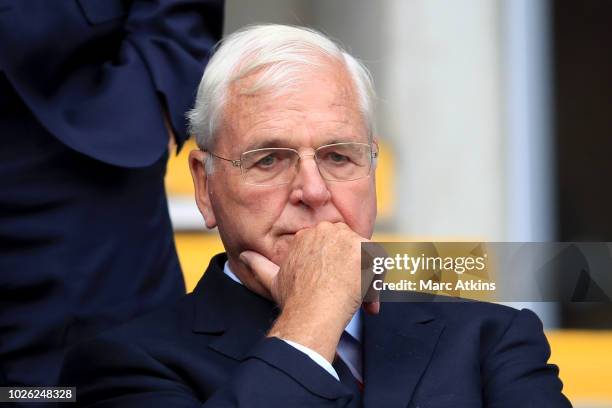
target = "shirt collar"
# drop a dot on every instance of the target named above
(228, 272)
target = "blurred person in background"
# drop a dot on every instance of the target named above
(285, 170)
(92, 96)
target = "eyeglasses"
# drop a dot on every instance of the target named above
(276, 166)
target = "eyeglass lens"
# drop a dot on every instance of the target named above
(336, 162)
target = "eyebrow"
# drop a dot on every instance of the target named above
(262, 144)
(339, 140)
(277, 142)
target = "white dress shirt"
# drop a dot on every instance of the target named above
(349, 346)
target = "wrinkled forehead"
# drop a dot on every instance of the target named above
(321, 98)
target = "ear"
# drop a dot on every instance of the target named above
(197, 160)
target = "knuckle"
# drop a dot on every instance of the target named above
(324, 225)
(301, 233)
(343, 227)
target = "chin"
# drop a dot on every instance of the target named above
(281, 249)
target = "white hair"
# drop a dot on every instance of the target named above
(280, 52)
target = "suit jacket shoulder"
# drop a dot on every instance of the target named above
(485, 355)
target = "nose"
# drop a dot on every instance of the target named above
(309, 188)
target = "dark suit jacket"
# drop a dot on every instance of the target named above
(211, 349)
(95, 73)
(85, 236)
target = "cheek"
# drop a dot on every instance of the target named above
(249, 212)
(261, 206)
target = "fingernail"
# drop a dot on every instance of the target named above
(244, 258)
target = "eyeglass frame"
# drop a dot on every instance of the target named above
(238, 162)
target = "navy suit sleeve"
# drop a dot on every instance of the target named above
(99, 74)
(273, 374)
(516, 373)
(158, 67)
(111, 374)
(174, 39)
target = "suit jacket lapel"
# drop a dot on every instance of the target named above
(398, 345)
(224, 307)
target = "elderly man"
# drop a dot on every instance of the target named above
(285, 171)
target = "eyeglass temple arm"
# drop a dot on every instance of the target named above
(235, 163)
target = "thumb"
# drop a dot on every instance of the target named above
(264, 270)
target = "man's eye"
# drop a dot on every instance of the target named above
(337, 157)
(267, 161)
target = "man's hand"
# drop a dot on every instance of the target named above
(318, 286)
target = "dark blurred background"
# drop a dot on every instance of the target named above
(582, 44)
